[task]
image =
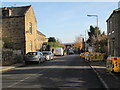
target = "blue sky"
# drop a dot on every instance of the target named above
(67, 20)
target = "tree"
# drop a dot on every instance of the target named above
(78, 42)
(92, 35)
(51, 39)
(52, 43)
(103, 33)
(98, 41)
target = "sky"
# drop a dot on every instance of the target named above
(67, 20)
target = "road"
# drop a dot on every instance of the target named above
(63, 72)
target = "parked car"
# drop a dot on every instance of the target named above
(34, 57)
(48, 55)
(70, 52)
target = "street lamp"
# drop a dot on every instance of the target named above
(96, 23)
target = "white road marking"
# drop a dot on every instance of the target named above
(27, 77)
(44, 70)
(19, 82)
(35, 75)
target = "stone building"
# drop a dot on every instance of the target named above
(41, 40)
(19, 25)
(113, 32)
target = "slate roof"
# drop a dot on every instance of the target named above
(114, 11)
(18, 11)
(40, 33)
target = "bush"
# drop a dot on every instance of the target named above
(18, 58)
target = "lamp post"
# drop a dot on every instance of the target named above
(96, 21)
(96, 24)
(85, 42)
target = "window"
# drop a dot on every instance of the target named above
(113, 31)
(30, 45)
(109, 33)
(32, 53)
(30, 27)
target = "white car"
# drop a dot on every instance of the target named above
(34, 57)
(48, 55)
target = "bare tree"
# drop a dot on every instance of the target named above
(78, 42)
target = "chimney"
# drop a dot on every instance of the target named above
(6, 11)
(5, 8)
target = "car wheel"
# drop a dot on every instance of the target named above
(52, 58)
(26, 62)
(39, 61)
(43, 61)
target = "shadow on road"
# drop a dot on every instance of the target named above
(62, 73)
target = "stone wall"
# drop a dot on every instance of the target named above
(13, 28)
(22, 31)
(30, 38)
(40, 40)
(113, 34)
(10, 57)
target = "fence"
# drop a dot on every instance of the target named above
(93, 56)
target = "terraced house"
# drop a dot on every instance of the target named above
(41, 40)
(20, 26)
(113, 31)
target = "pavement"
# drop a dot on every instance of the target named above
(99, 67)
(109, 79)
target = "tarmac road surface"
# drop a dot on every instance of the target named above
(64, 72)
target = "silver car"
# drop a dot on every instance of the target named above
(48, 55)
(34, 57)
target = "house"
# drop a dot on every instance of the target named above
(41, 40)
(113, 32)
(19, 26)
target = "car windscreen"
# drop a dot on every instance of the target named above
(32, 53)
